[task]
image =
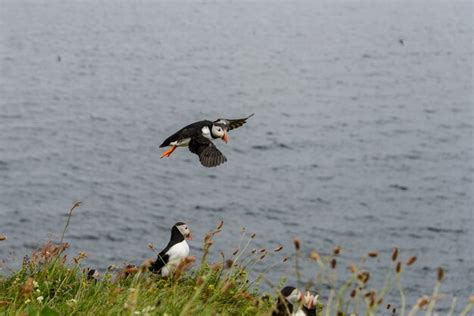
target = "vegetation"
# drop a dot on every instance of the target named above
(49, 283)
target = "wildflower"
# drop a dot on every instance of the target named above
(27, 301)
(71, 302)
(28, 287)
(35, 284)
(40, 299)
(211, 287)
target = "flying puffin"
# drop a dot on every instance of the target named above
(176, 250)
(289, 300)
(198, 138)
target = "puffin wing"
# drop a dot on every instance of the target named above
(161, 261)
(233, 123)
(208, 154)
(186, 132)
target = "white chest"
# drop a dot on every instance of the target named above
(176, 253)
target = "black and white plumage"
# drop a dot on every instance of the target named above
(177, 249)
(198, 138)
(289, 303)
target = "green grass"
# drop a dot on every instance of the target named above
(50, 283)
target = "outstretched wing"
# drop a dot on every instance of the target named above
(234, 123)
(208, 154)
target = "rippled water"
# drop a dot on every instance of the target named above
(358, 140)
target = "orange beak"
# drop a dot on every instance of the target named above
(189, 236)
(225, 138)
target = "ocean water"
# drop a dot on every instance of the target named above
(362, 135)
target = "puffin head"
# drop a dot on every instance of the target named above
(219, 130)
(184, 230)
(292, 294)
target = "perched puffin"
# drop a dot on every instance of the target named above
(176, 250)
(198, 138)
(289, 301)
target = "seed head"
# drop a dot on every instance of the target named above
(353, 293)
(411, 260)
(297, 244)
(314, 255)
(236, 251)
(285, 259)
(471, 299)
(333, 263)
(337, 250)
(263, 250)
(3, 237)
(399, 267)
(423, 301)
(220, 225)
(353, 268)
(279, 248)
(229, 263)
(226, 287)
(388, 306)
(373, 254)
(440, 274)
(394, 254)
(253, 235)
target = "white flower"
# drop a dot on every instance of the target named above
(27, 301)
(71, 302)
(40, 299)
(35, 284)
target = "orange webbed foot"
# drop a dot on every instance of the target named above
(168, 152)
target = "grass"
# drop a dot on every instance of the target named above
(51, 283)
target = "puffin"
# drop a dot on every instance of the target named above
(198, 138)
(289, 300)
(177, 249)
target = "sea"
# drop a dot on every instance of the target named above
(362, 136)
